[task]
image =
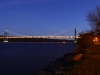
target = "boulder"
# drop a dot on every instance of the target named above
(53, 66)
(59, 72)
(60, 59)
(68, 54)
(77, 57)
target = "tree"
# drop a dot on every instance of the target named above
(85, 40)
(93, 17)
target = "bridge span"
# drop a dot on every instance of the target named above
(55, 36)
(52, 37)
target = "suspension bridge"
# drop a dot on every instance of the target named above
(70, 34)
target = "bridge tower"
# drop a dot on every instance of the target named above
(5, 36)
(75, 35)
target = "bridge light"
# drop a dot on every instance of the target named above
(5, 41)
(75, 41)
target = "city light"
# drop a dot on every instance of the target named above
(95, 39)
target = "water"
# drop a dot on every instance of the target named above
(29, 58)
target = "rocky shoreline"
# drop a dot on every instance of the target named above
(58, 67)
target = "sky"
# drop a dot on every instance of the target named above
(44, 17)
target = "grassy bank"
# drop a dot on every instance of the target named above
(89, 64)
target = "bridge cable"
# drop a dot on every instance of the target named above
(16, 33)
(1, 33)
(61, 32)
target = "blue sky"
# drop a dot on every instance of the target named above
(44, 17)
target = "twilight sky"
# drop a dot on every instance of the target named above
(44, 17)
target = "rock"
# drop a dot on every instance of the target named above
(59, 72)
(77, 57)
(52, 63)
(52, 67)
(60, 59)
(68, 54)
(62, 68)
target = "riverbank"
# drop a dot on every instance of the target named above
(87, 64)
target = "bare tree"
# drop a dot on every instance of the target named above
(93, 18)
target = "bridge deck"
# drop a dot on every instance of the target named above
(59, 37)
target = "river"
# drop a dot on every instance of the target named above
(29, 58)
